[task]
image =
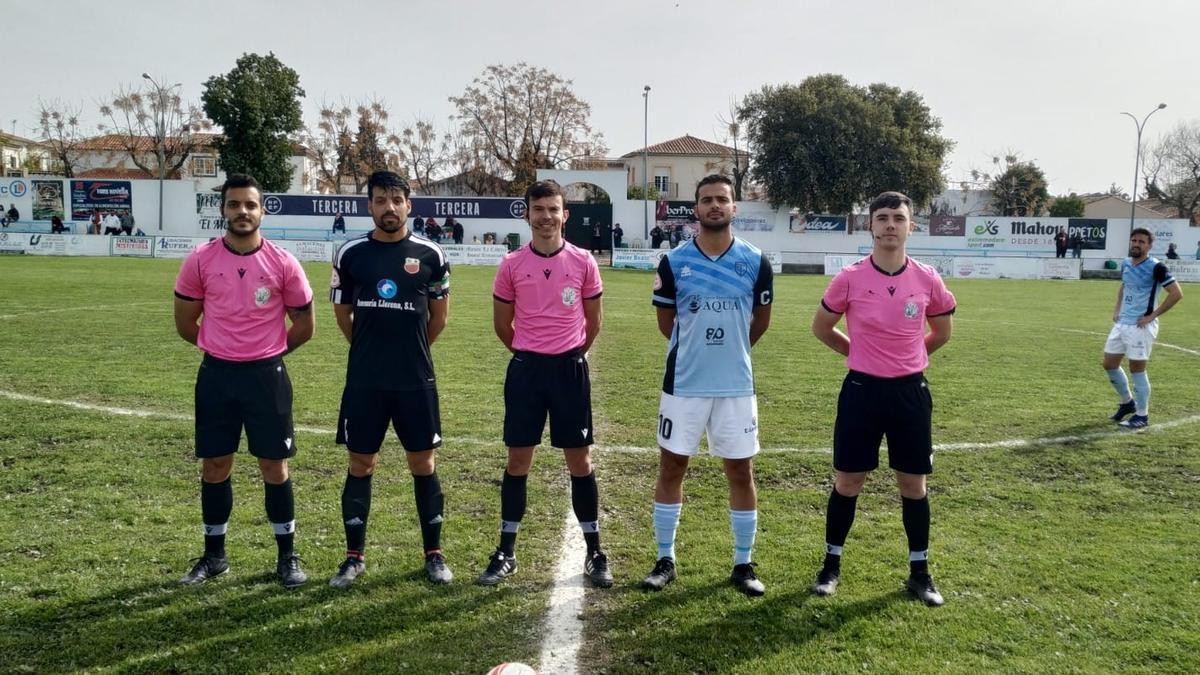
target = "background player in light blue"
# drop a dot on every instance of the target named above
(1135, 326)
(713, 299)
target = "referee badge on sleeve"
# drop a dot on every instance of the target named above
(334, 279)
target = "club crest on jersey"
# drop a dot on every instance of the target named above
(657, 282)
(741, 268)
(261, 295)
(335, 280)
(412, 265)
(568, 296)
(911, 310)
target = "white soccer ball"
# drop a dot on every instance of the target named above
(512, 669)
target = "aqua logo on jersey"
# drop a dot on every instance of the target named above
(386, 289)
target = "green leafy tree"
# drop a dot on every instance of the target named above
(258, 106)
(1070, 206)
(825, 145)
(1020, 190)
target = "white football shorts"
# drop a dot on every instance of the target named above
(731, 424)
(1132, 341)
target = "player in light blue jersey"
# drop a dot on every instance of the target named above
(713, 299)
(1135, 326)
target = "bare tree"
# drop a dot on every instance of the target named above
(332, 145)
(59, 130)
(527, 118)
(419, 148)
(732, 134)
(1172, 171)
(475, 165)
(154, 120)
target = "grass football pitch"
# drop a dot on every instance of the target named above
(1060, 544)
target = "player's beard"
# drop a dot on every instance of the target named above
(242, 227)
(716, 226)
(389, 225)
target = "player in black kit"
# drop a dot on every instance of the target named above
(390, 293)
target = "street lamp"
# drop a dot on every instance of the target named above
(1137, 158)
(160, 132)
(645, 153)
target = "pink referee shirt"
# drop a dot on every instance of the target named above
(548, 293)
(244, 296)
(885, 314)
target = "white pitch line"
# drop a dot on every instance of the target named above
(564, 620)
(633, 449)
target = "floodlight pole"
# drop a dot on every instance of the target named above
(160, 130)
(1137, 159)
(645, 162)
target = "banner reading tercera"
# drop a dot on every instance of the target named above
(105, 195)
(356, 205)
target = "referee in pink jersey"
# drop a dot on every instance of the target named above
(887, 299)
(243, 285)
(547, 311)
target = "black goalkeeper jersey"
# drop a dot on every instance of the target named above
(389, 285)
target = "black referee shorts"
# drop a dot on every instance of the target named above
(366, 413)
(870, 408)
(559, 385)
(256, 395)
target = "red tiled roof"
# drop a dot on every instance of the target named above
(116, 142)
(687, 145)
(116, 172)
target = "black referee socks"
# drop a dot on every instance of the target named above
(839, 516)
(915, 513)
(585, 500)
(512, 510)
(281, 511)
(216, 503)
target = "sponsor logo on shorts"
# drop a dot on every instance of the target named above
(261, 295)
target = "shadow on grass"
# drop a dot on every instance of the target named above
(714, 628)
(250, 623)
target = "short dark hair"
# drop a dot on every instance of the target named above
(238, 180)
(387, 180)
(542, 189)
(711, 179)
(1141, 230)
(888, 200)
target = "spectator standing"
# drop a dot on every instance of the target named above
(618, 235)
(1060, 244)
(656, 236)
(1076, 245)
(339, 224)
(13, 214)
(456, 230)
(56, 225)
(1172, 253)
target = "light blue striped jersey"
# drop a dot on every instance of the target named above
(714, 300)
(1141, 283)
